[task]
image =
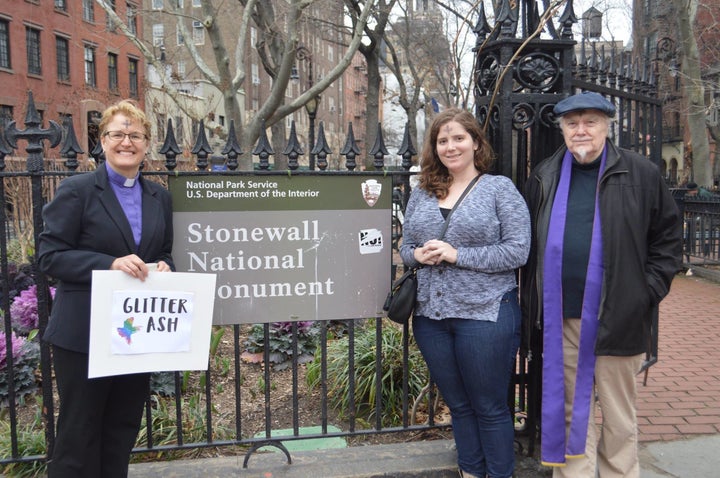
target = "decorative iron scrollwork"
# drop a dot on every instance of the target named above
(523, 116)
(481, 114)
(546, 115)
(537, 71)
(487, 74)
(495, 117)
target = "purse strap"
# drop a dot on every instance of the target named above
(457, 203)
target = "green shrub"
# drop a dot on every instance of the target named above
(26, 357)
(31, 442)
(280, 343)
(162, 383)
(164, 426)
(338, 373)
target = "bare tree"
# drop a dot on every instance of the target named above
(277, 50)
(686, 11)
(375, 33)
(418, 55)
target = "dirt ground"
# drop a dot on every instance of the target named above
(310, 412)
(284, 385)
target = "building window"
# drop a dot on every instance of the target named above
(197, 3)
(90, 78)
(180, 40)
(161, 121)
(88, 10)
(157, 4)
(32, 38)
(112, 72)
(61, 5)
(180, 70)
(158, 32)
(255, 73)
(110, 23)
(131, 13)
(198, 33)
(6, 115)
(133, 72)
(4, 44)
(253, 37)
(62, 51)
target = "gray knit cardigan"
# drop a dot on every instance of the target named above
(490, 230)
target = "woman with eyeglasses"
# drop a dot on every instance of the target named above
(108, 219)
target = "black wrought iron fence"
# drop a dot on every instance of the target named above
(190, 410)
(701, 230)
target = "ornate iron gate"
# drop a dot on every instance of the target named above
(525, 64)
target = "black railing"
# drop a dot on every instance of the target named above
(516, 84)
(701, 231)
(37, 177)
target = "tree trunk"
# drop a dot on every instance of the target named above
(694, 92)
(372, 107)
(278, 142)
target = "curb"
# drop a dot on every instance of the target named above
(424, 459)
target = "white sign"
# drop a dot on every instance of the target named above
(162, 324)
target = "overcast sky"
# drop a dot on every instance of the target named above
(617, 18)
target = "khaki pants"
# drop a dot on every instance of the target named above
(615, 452)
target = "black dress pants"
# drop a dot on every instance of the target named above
(99, 419)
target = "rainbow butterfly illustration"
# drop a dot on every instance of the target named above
(127, 329)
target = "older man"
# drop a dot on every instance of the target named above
(606, 244)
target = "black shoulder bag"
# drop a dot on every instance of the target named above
(400, 301)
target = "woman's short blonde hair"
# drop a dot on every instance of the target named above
(127, 108)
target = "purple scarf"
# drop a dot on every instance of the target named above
(555, 446)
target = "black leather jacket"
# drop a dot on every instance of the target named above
(642, 247)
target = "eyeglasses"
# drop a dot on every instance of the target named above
(120, 136)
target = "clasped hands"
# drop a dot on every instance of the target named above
(434, 252)
(136, 267)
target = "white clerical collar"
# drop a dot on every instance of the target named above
(120, 180)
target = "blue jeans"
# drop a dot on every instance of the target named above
(471, 363)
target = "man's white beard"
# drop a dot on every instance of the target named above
(581, 154)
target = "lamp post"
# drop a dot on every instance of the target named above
(303, 54)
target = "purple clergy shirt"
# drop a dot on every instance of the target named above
(129, 193)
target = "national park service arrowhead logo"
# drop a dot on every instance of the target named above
(371, 190)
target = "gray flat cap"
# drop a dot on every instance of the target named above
(587, 100)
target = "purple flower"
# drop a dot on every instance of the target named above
(23, 311)
(17, 343)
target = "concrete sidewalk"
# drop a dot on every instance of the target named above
(678, 414)
(697, 457)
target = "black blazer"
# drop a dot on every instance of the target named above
(86, 229)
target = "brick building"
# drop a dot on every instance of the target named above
(73, 59)
(655, 38)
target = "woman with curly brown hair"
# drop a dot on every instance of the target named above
(467, 318)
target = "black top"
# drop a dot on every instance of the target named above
(578, 234)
